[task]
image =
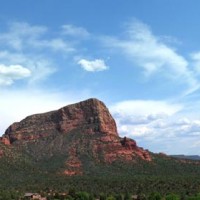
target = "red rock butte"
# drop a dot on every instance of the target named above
(86, 117)
(91, 115)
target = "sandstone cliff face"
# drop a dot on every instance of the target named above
(91, 115)
(91, 123)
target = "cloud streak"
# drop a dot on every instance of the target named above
(75, 31)
(147, 51)
(20, 34)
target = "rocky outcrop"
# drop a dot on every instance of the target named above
(5, 140)
(73, 167)
(94, 128)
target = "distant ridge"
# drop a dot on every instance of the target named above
(187, 157)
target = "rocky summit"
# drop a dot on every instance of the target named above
(90, 116)
(79, 132)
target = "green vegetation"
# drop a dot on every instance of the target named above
(22, 172)
(39, 166)
(10, 195)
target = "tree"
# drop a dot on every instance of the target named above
(127, 196)
(82, 196)
(172, 197)
(155, 196)
(102, 196)
(110, 198)
(91, 197)
(119, 197)
(72, 192)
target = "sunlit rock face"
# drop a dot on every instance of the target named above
(91, 115)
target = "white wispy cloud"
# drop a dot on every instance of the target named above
(150, 53)
(8, 74)
(93, 65)
(196, 61)
(20, 33)
(75, 31)
(55, 44)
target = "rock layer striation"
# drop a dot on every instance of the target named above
(91, 116)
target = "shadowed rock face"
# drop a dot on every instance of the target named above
(90, 126)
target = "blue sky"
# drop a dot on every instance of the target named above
(142, 58)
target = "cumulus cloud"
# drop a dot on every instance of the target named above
(8, 74)
(93, 65)
(137, 117)
(75, 31)
(189, 129)
(150, 53)
(158, 125)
